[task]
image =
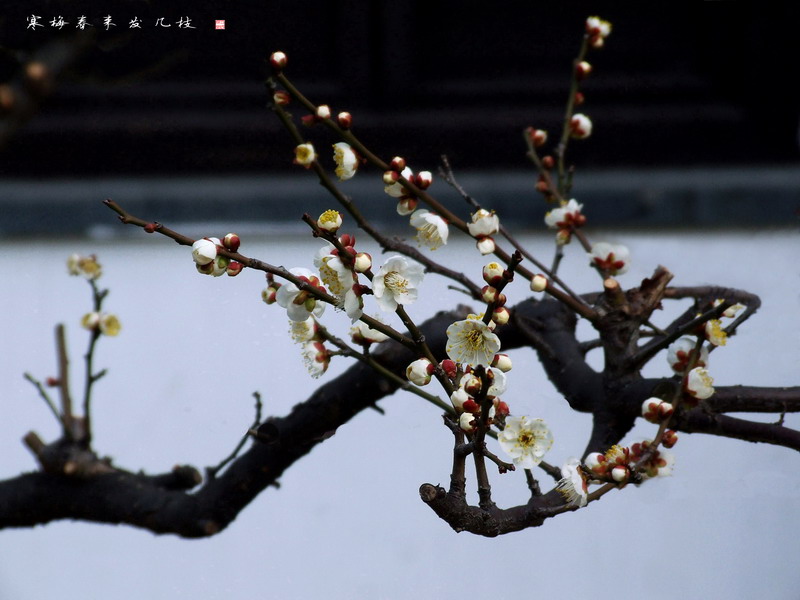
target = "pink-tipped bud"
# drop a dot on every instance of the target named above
(406, 206)
(390, 177)
(471, 406)
(449, 367)
(467, 422)
(485, 245)
(583, 69)
(458, 398)
(488, 294)
(537, 136)
(345, 120)
(579, 98)
(493, 273)
(501, 408)
(501, 315)
(269, 293)
(278, 61)
(548, 162)
(538, 283)
(419, 372)
(423, 180)
(323, 111)
(473, 385)
(580, 126)
(620, 474)
(234, 268)
(231, 242)
(150, 227)
(670, 438)
(398, 164)
(52, 382)
(362, 262)
(281, 98)
(502, 362)
(309, 120)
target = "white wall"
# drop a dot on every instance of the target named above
(347, 521)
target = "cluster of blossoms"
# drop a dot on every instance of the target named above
(566, 218)
(89, 268)
(483, 225)
(105, 323)
(618, 462)
(209, 261)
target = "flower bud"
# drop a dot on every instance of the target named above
(390, 177)
(268, 294)
(488, 294)
(406, 206)
(449, 367)
(204, 251)
(220, 265)
(345, 120)
(330, 221)
(485, 245)
(150, 227)
(419, 372)
(538, 283)
(423, 180)
(579, 98)
(596, 463)
(537, 136)
(583, 69)
(90, 320)
(670, 438)
(502, 362)
(278, 61)
(580, 126)
(501, 315)
(620, 474)
(467, 422)
(398, 164)
(323, 111)
(458, 398)
(234, 268)
(281, 98)
(501, 408)
(473, 385)
(493, 273)
(231, 242)
(362, 262)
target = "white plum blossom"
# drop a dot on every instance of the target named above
(330, 221)
(681, 350)
(525, 440)
(614, 258)
(714, 332)
(346, 160)
(484, 223)
(431, 228)
(573, 485)
(303, 331)
(472, 342)
(396, 189)
(299, 305)
(361, 333)
(458, 398)
(316, 358)
(304, 155)
(699, 383)
(731, 311)
(397, 282)
(340, 280)
(86, 266)
(567, 215)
